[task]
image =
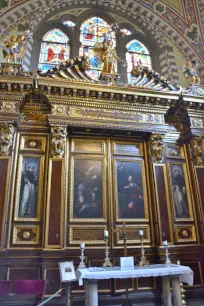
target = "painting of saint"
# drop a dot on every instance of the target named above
(29, 188)
(130, 190)
(88, 189)
(179, 191)
(51, 54)
(61, 54)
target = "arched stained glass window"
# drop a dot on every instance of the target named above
(69, 23)
(54, 49)
(125, 32)
(136, 53)
(93, 31)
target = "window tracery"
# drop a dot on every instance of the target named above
(136, 53)
(54, 49)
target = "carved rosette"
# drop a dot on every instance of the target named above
(58, 141)
(6, 137)
(197, 145)
(156, 145)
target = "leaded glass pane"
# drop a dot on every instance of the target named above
(69, 23)
(137, 53)
(125, 32)
(54, 49)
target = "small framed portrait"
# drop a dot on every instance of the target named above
(88, 189)
(67, 272)
(180, 191)
(130, 192)
(174, 152)
(28, 197)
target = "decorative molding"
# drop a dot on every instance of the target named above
(197, 145)
(6, 137)
(58, 141)
(156, 146)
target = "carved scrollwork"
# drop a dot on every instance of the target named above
(58, 141)
(156, 144)
(6, 137)
(197, 145)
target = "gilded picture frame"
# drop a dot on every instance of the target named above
(130, 190)
(185, 233)
(132, 235)
(127, 148)
(92, 235)
(180, 191)
(33, 143)
(175, 152)
(88, 196)
(29, 186)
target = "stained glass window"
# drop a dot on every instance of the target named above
(93, 31)
(125, 32)
(54, 49)
(136, 53)
(69, 23)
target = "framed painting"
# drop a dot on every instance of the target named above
(180, 191)
(29, 184)
(174, 152)
(88, 189)
(130, 191)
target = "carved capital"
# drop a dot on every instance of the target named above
(156, 144)
(58, 141)
(6, 137)
(197, 145)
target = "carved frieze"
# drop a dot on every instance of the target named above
(197, 145)
(156, 146)
(58, 141)
(6, 137)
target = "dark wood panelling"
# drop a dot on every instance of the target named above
(164, 217)
(22, 273)
(145, 283)
(200, 176)
(3, 178)
(55, 204)
(53, 282)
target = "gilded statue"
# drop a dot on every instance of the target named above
(108, 55)
(15, 48)
(197, 144)
(58, 134)
(190, 71)
(6, 137)
(156, 145)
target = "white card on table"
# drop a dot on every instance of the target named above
(127, 262)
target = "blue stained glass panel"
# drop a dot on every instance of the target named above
(137, 46)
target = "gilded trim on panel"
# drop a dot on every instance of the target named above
(104, 187)
(45, 274)
(136, 240)
(5, 199)
(144, 183)
(48, 203)
(174, 152)
(139, 145)
(85, 228)
(146, 288)
(40, 187)
(34, 228)
(88, 143)
(167, 201)
(32, 139)
(182, 233)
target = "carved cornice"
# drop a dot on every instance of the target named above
(6, 137)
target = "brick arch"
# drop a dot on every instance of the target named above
(33, 11)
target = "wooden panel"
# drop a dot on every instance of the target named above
(22, 273)
(55, 202)
(53, 282)
(200, 176)
(4, 167)
(145, 283)
(163, 203)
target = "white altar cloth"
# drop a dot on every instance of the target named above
(185, 273)
(173, 273)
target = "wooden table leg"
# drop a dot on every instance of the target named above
(92, 293)
(166, 291)
(176, 290)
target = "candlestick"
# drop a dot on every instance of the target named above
(107, 262)
(167, 261)
(82, 257)
(143, 260)
(106, 234)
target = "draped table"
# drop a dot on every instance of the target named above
(173, 273)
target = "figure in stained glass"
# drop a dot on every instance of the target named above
(136, 54)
